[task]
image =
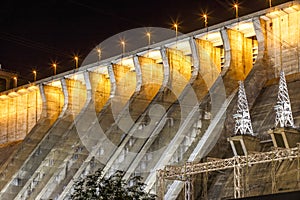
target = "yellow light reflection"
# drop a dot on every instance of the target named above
(55, 84)
(3, 97)
(22, 91)
(126, 62)
(13, 94)
(32, 88)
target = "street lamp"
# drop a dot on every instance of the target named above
(149, 38)
(205, 24)
(54, 68)
(236, 6)
(270, 3)
(99, 54)
(176, 29)
(76, 62)
(15, 81)
(123, 46)
(205, 20)
(34, 75)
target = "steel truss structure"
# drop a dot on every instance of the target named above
(187, 171)
(242, 118)
(284, 116)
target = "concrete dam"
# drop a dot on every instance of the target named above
(169, 112)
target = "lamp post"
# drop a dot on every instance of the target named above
(176, 29)
(99, 54)
(270, 3)
(236, 6)
(149, 38)
(15, 81)
(76, 62)
(205, 24)
(205, 20)
(34, 75)
(123, 46)
(54, 68)
(123, 50)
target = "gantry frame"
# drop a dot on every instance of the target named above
(188, 170)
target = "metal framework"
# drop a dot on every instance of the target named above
(284, 116)
(183, 173)
(242, 118)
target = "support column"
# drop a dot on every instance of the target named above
(273, 176)
(88, 87)
(160, 187)
(260, 36)
(195, 56)
(205, 180)
(44, 100)
(112, 80)
(7, 83)
(237, 173)
(227, 49)
(166, 81)
(139, 78)
(66, 96)
(189, 190)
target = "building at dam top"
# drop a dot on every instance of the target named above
(165, 104)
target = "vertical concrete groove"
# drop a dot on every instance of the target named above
(112, 80)
(66, 97)
(44, 100)
(260, 37)
(195, 56)
(227, 49)
(139, 78)
(166, 66)
(88, 87)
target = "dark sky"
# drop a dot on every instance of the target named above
(35, 33)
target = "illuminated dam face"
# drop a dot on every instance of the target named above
(155, 107)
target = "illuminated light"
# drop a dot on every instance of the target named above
(13, 94)
(275, 14)
(205, 20)
(236, 6)
(205, 24)
(76, 77)
(128, 62)
(123, 46)
(32, 88)
(99, 52)
(154, 54)
(149, 38)
(101, 70)
(291, 9)
(176, 29)
(54, 68)
(246, 28)
(22, 91)
(76, 62)
(214, 37)
(34, 75)
(55, 84)
(3, 97)
(182, 45)
(15, 81)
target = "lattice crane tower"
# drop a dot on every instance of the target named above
(284, 116)
(242, 118)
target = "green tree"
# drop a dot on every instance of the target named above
(93, 187)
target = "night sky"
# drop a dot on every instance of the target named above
(33, 34)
